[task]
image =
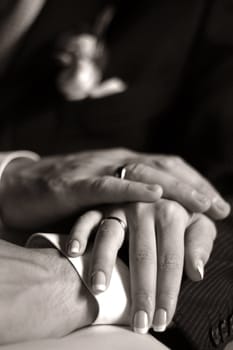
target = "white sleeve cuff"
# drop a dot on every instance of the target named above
(7, 157)
(114, 303)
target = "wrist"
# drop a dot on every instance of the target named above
(74, 304)
(78, 307)
(112, 306)
(41, 291)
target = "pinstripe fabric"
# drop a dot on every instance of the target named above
(204, 305)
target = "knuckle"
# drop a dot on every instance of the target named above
(162, 162)
(168, 210)
(136, 211)
(179, 186)
(144, 254)
(99, 184)
(129, 188)
(177, 160)
(145, 298)
(139, 209)
(92, 215)
(124, 151)
(168, 297)
(106, 232)
(57, 184)
(183, 190)
(135, 170)
(112, 236)
(168, 262)
(118, 153)
(168, 162)
(202, 186)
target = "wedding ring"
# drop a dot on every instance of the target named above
(121, 222)
(120, 172)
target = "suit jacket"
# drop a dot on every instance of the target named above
(176, 57)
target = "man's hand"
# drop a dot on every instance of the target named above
(41, 193)
(41, 295)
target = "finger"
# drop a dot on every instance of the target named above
(142, 265)
(109, 189)
(108, 241)
(171, 221)
(173, 188)
(181, 170)
(199, 239)
(81, 231)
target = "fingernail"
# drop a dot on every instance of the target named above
(74, 247)
(221, 205)
(160, 320)
(201, 198)
(98, 282)
(141, 322)
(200, 269)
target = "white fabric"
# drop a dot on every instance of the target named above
(114, 305)
(95, 338)
(7, 157)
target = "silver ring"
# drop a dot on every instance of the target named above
(121, 222)
(121, 172)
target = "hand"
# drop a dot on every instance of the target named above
(159, 251)
(180, 182)
(163, 237)
(41, 193)
(41, 295)
(36, 194)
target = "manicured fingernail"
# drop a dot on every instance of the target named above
(221, 205)
(74, 247)
(160, 320)
(141, 322)
(200, 269)
(201, 198)
(98, 282)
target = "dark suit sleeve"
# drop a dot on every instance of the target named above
(207, 100)
(205, 310)
(204, 317)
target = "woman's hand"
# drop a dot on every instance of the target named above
(163, 237)
(41, 193)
